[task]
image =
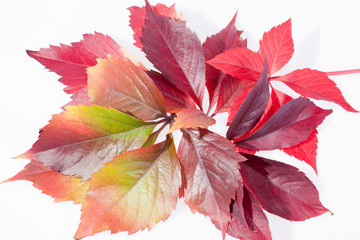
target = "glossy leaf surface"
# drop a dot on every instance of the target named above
(132, 192)
(80, 140)
(281, 189)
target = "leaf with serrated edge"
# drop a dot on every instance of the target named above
(277, 46)
(191, 118)
(60, 187)
(210, 164)
(80, 140)
(133, 192)
(315, 84)
(288, 127)
(252, 109)
(281, 189)
(240, 63)
(120, 84)
(182, 57)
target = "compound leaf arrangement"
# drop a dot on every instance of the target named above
(111, 149)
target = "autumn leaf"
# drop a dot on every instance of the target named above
(288, 127)
(191, 118)
(70, 61)
(228, 38)
(277, 46)
(256, 225)
(120, 84)
(134, 191)
(60, 187)
(211, 176)
(81, 139)
(138, 14)
(182, 57)
(175, 99)
(315, 84)
(281, 189)
(240, 63)
(252, 109)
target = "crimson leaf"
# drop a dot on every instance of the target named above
(182, 57)
(251, 110)
(211, 176)
(281, 189)
(289, 126)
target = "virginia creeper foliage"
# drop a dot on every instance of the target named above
(104, 150)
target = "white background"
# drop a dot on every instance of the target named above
(326, 36)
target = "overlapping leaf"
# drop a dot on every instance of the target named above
(288, 127)
(133, 192)
(277, 46)
(191, 118)
(212, 176)
(182, 57)
(60, 187)
(120, 84)
(248, 220)
(281, 189)
(138, 14)
(228, 38)
(252, 109)
(175, 99)
(315, 84)
(81, 139)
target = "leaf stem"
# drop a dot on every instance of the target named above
(334, 73)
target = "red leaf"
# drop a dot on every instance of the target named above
(60, 187)
(305, 151)
(182, 57)
(315, 84)
(277, 46)
(70, 62)
(239, 63)
(281, 189)
(228, 38)
(230, 94)
(191, 118)
(138, 14)
(212, 176)
(288, 127)
(175, 99)
(256, 226)
(81, 139)
(252, 109)
(122, 85)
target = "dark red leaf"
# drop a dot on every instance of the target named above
(281, 189)
(137, 18)
(231, 93)
(288, 127)
(175, 99)
(256, 225)
(239, 63)
(212, 176)
(228, 38)
(315, 84)
(252, 109)
(176, 52)
(277, 46)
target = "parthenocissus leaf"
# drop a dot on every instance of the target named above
(81, 139)
(120, 84)
(281, 189)
(211, 168)
(60, 187)
(132, 192)
(182, 57)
